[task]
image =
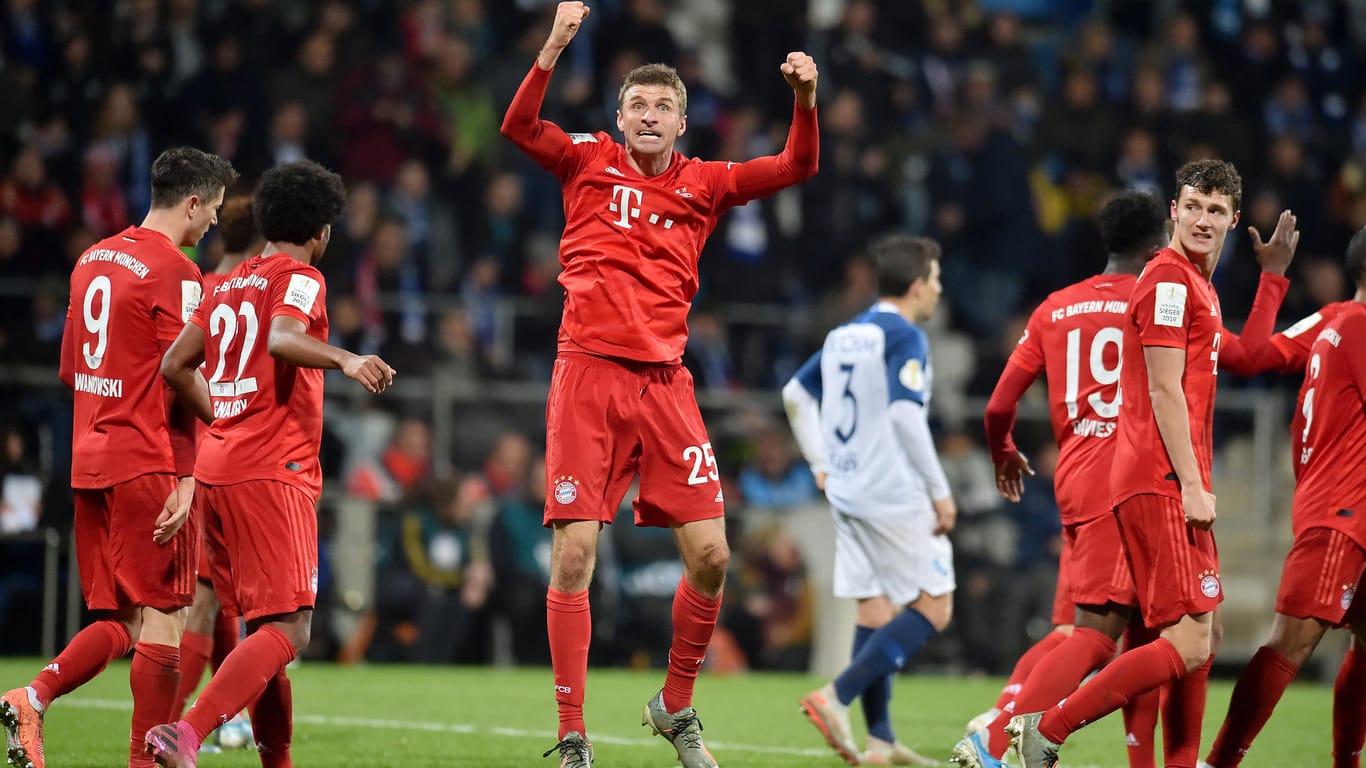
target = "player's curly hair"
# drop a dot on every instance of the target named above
(901, 260)
(1132, 223)
(180, 172)
(1356, 257)
(294, 201)
(236, 224)
(1209, 176)
(655, 74)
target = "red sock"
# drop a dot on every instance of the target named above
(570, 625)
(241, 679)
(694, 616)
(88, 653)
(1140, 727)
(227, 633)
(1183, 710)
(1025, 665)
(1055, 676)
(155, 680)
(1142, 669)
(1349, 710)
(1255, 694)
(272, 722)
(194, 657)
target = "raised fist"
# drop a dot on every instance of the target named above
(800, 72)
(568, 18)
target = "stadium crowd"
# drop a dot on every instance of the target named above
(998, 127)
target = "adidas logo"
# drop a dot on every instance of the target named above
(1131, 740)
(720, 497)
(615, 172)
(54, 668)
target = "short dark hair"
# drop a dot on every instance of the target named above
(1131, 223)
(1209, 176)
(294, 201)
(180, 172)
(901, 260)
(655, 74)
(1356, 257)
(236, 224)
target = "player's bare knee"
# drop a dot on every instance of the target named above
(707, 569)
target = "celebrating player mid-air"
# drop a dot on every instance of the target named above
(620, 402)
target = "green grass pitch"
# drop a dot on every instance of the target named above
(484, 717)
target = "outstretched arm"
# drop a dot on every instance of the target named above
(289, 341)
(800, 157)
(542, 140)
(1252, 352)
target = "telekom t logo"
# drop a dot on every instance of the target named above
(625, 201)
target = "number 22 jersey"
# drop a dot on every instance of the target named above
(268, 414)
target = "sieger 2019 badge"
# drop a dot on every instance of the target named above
(566, 489)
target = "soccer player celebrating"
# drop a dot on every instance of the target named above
(132, 454)
(620, 401)
(1074, 338)
(1323, 570)
(265, 328)
(209, 635)
(859, 409)
(1084, 403)
(1160, 476)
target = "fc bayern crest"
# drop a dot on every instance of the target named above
(1209, 586)
(566, 489)
(1347, 595)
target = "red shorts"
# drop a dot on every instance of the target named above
(1099, 572)
(205, 570)
(262, 537)
(120, 564)
(606, 421)
(1321, 576)
(1064, 610)
(1175, 567)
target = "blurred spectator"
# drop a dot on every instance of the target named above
(776, 476)
(1034, 577)
(520, 547)
(648, 571)
(505, 469)
(103, 208)
(403, 468)
(432, 596)
(310, 81)
(768, 604)
(707, 353)
(35, 202)
(389, 285)
(387, 116)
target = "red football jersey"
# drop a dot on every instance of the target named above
(1290, 348)
(1329, 429)
(130, 297)
(1074, 337)
(1172, 305)
(211, 281)
(631, 244)
(268, 414)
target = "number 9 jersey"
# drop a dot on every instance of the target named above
(268, 414)
(130, 297)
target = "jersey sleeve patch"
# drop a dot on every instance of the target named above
(191, 293)
(1303, 325)
(580, 138)
(912, 375)
(302, 292)
(1169, 305)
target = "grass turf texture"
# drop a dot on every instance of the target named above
(484, 717)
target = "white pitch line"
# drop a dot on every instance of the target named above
(466, 729)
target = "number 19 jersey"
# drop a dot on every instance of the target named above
(130, 297)
(1075, 339)
(268, 414)
(865, 365)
